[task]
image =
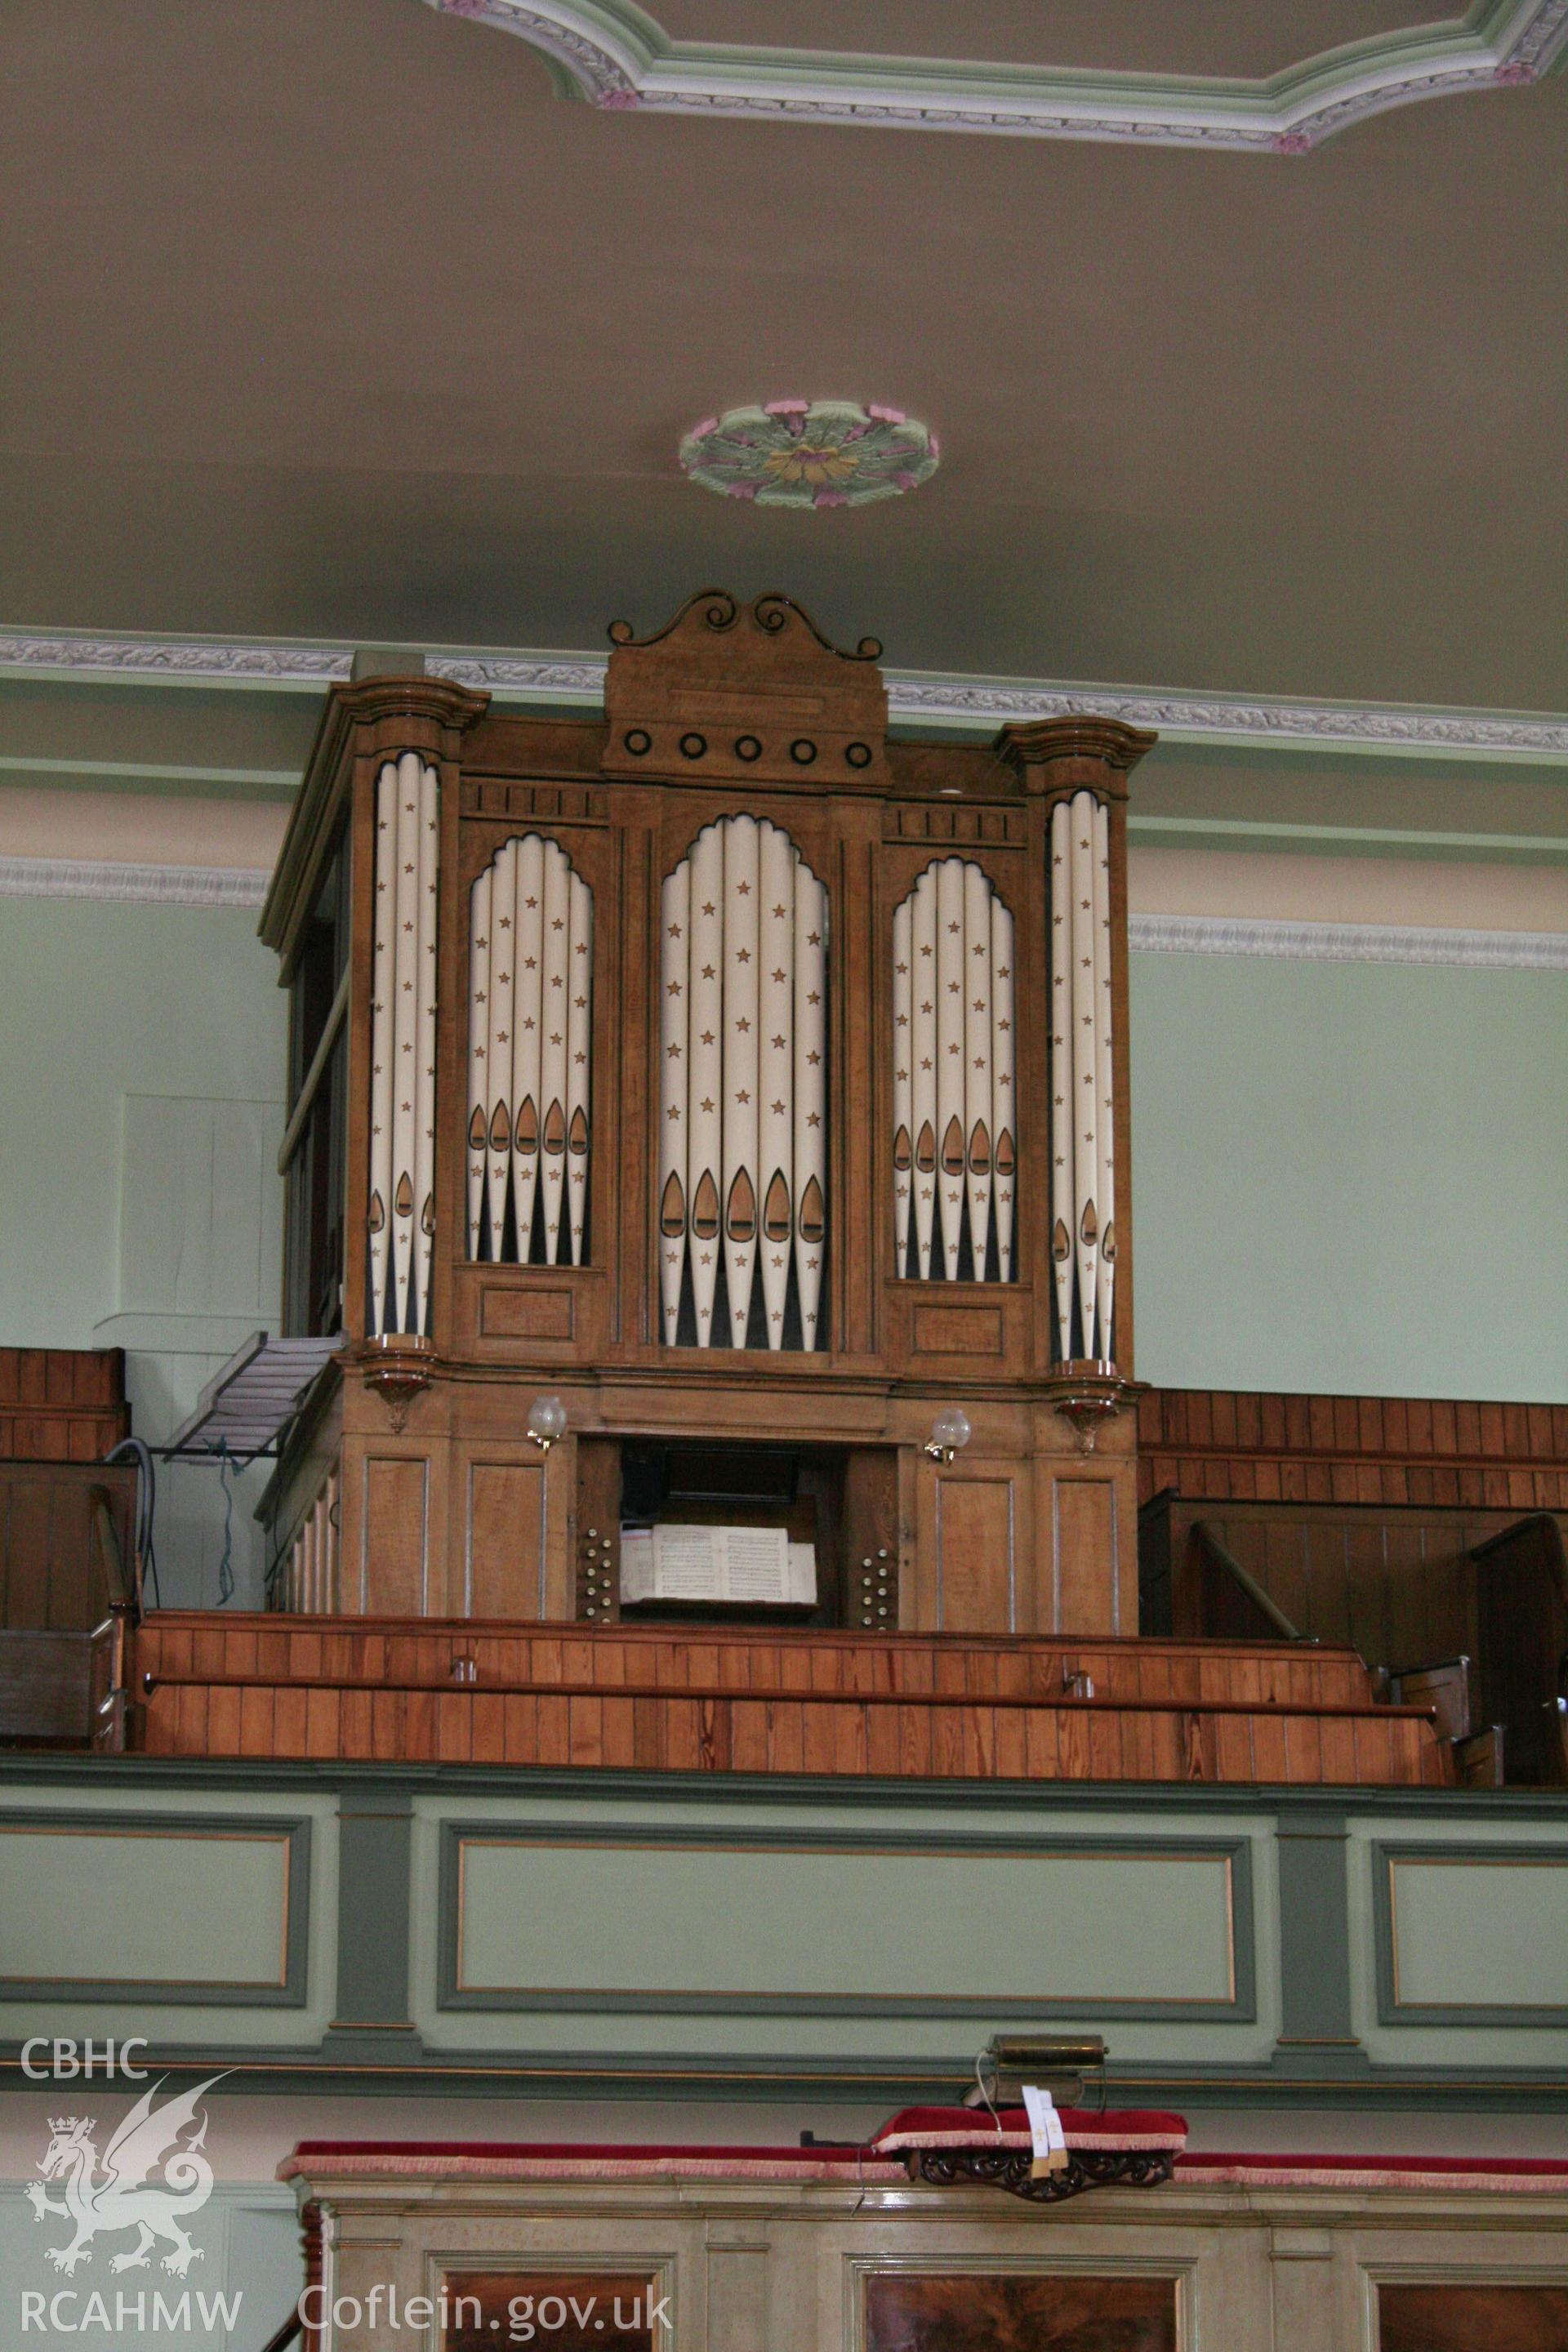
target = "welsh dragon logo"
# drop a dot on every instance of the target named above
(104, 2198)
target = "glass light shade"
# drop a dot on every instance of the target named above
(949, 1430)
(546, 1419)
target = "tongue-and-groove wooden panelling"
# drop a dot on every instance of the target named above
(61, 1404)
(1230, 1447)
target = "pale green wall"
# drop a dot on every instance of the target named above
(154, 1228)
(1350, 1177)
(97, 1002)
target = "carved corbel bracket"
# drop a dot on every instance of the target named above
(399, 1366)
(1087, 1395)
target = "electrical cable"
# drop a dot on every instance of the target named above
(132, 1449)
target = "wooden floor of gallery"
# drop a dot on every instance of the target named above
(695, 1699)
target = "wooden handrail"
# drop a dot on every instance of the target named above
(117, 1584)
(309, 1084)
(292, 2326)
(1066, 1702)
(1262, 1601)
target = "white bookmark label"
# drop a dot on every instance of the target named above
(1048, 2139)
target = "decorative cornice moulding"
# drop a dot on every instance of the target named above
(107, 879)
(244, 889)
(930, 696)
(1348, 943)
(193, 661)
(614, 56)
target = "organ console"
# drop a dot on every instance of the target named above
(752, 1083)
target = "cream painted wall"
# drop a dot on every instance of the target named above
(1350, 1177)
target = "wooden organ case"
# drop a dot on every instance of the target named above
(752, 1084)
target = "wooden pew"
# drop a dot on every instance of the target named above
(1521, 1607)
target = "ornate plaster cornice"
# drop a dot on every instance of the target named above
(928, 696)
(614, 56)
(138, 885)
(1197, 717)
(1348, 943)
(108, 880)
(195, 661)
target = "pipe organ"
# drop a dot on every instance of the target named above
(651, 1019)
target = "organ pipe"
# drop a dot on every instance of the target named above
(904, 1085)
(979, 1117)
(742, 1131)
(1004, 1066)
(501, 1005)
(739, 1179)
(954, 1057)
(922, 979)
(1105, 1084)
(703, 984)
(401, 1217)
(308, 1578)
(1083, 1103)
(1084, 1100)
(675, 911)
(775, 1072)
(810, 1096)
(950, 1152)
(553, 965)
(478, 1052)
(531, 977)
(528, 931)
(1062, 1123)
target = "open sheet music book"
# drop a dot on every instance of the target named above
(755, 1565)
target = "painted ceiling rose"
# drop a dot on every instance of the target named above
(811, 453)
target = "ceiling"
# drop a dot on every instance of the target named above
(1234, 38)
(328, 318)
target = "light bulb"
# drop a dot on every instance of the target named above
(949, 1433)
(546, 1420)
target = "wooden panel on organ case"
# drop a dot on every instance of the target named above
(396, 1537)
(503, 1538)
(978, 2312)
(1084, 1547)
(977, 1523)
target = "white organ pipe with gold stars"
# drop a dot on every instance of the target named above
(954, 1128)
(579, 1066)
(810, 1097)
(903, 1084)
(741, 1014)
(530, 992)
(1062, 1116)
(922, 975)
(775, 1071)
(675, 911)
(528, 953)
(705, 993)
(1105, 1131)
(744, 1095)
